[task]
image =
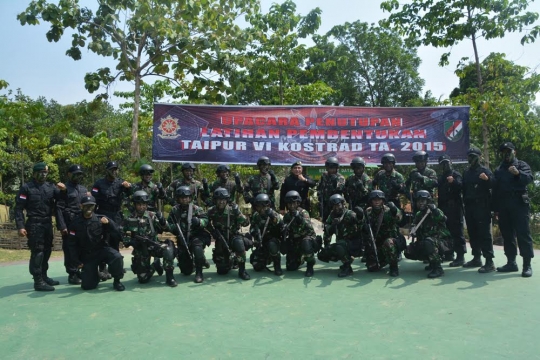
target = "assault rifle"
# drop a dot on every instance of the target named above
(152, 244)
(415, 228)
(181, 235)
(372, 238)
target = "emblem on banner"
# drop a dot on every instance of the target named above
(169, 128)
(453, 130)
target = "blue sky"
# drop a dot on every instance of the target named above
(40, 68)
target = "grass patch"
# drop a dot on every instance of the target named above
(7, 255)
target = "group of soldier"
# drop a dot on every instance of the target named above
(362, 215)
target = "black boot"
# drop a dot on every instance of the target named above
(41, 285)
(104, 274)
(488, 267)
(475, 262)
(277, 266)
(206, 264)
(460, 261)
(527, 269)
(346, 270)
(48, 280)
(170, 278)
(74, 279)
(242, 273)
(199, 278)
(437, 270)
(117, 285)
(309, 270)
(158, 267)
(428, 267)
(511, 265)
(394, 270)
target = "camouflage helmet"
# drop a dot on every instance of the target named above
(186, 166)
(376, 194)
(262, 199)
(420, 156)
(293, 196)
(336, 199)
(264, 160)
(357, 161)
(183, 191)
(146, 169)
(423, 194)
(221, 193)
(223, 168)
(140, 196)
(388, 158)
(331, 162)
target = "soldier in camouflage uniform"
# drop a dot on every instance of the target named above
(144, 226)
(344, 224)
(266, 229)
(199, 190)
(223, 173)
(225, 223)
(432, 236)
(389, 181)
(299, 235)
(191, 236)
(359, 185)
(421, 178)
(385, 242)
(263, 183)
(331, 182)
(155, 191)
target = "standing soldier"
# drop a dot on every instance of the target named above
(450, 185)
(187, 221)
(155, 191)
(384, 243)
(296, 181)
(224, 181)
(263, 183)
(37, 197)
(331, 183)
(68, 208)
(511, 203)
(389, 181)
(200, 191)
(89, 237)
(477, 183)
(432, 236)
(266, 229)
(299, 235)
(421, 178)
(225, 223)
(144, 227)
(342, 223)
(359, 185)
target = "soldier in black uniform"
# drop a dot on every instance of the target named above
(155, 191)
(477, 183)
(450, 185)
(511, 205)
(296, 181)
(68, 208)
(89, 237)
(37, 197)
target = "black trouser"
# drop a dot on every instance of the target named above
(40, 240)
(118, 219)
(478, 219)
(90, 272)
(514, 223)
(196, 244)
(454, 223)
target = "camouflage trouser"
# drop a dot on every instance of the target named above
(140, 262)
(339, 251)
(431, 249)
(299, 250)
(387, 253)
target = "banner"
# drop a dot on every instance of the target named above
(242, 134)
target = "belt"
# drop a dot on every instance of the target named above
(39, 219)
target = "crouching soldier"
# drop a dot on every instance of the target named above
(144, 227)
(266, 228)
(225, 222)
(188, 221)
(298, 235)
(384, 242)
(342, 223)
(432, 236)
(89, 237)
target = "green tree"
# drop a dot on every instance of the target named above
(183, 41)
(444, 23)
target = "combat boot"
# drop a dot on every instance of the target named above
(206, 264)
(40, 285)
(437, 270)
(158, 267)
(511, 265)
(117, 285)
(488, 267)
(394, 270)
(309, 270)
(428, 267)
(170, 280)
(104, 274)
(527, 269)
(199, 278)
(459, 261)
(346, 270)
(242, 273)
(74, 279)
(475, 262)
(48, 280)
(277, 266)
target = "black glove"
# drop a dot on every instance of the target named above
(159, 186)
(336, 221)
(365, 227)
(359, 212)
(299, 218)
(284, 231)
(234, 207)
(271, 214)
(393, 208)
(432, 207)
(237, 179)
(195, 222)
(215, 235)
(416, 176)
(161, 219)
(205, 184)
(272, 176)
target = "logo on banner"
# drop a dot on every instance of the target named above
(453, 130)
(169, 128)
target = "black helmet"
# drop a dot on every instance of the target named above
(388, 158)
(183, 191)
(186, 166)
(88, 200)
(223, 168)
(336, 199)
(221, 193)
(331, 162)
(146, 169)
(474, 151)
(444, 158)
(376, 194)
(262, 199)
(264, 160)
(140, 196)
(420, 156)
(293, 196)
(358, 161)
(75, 169)
(111, 165)
(423, 194)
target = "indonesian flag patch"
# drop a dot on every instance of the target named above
(96, 190)
(71, 232)
(22, 196)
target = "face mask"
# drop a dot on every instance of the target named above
(509, 155)
(473, 159)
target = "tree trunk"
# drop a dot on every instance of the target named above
(135, 149)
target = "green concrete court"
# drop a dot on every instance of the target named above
(463, 315)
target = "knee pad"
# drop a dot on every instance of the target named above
(169, 251)
(429, 246)
(238, 245)
(340, 251)
(198, 253)
(273, 247)
(257, 260)
(308, 246)
(324, 255)
(292, 262)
